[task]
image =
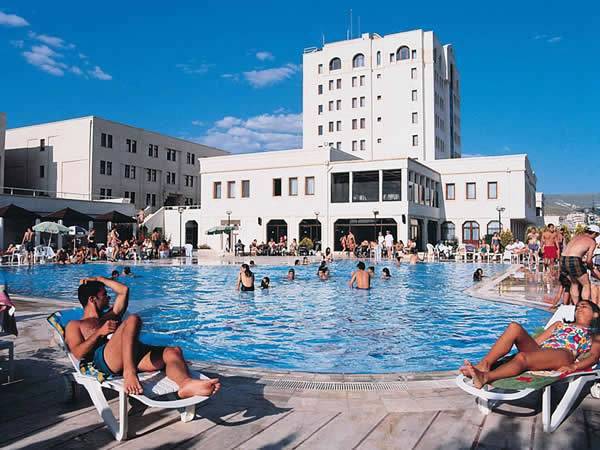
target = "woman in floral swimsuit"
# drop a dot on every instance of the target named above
(560, 347)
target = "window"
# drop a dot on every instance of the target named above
(309, 186)
(450, 191)
(354, 124)
(448, 231)
(358, 60)
(106, 140)
(131, 146)
(105, 193)
(379, 119)
(171, 155)
(365, 186)
(354, 81)
(340, 187)
(151, 175)
(471, 191)
(392, 57)
(103, 140)
(189, 181)
(415, 140)
(362, 102)
(129, 171)
(320, 109)
(217, 189)
(276, 187)
(331, 128)
(320, 89)
(102, 167)
(170, 177)
(338, 83)
(378, 58)
(335, 64)
(320, 68)
(42, 145)
(379, 140)
(293, 186)
(231, 189)
(413, 95)
(331, 84)
(379, 97)
(150, 199)
(330, 105)
(402, 53)
(190, 158)
(493, 227)
(363, 144)
(338, 105)
(392, 185)
(354, 102)
(378, 76)
(42, 171)
(471, 232)
(413, 73)
(130, 196)
(492, 190)
(362, 80)
(245, 188)
(320, 130)
(153, 151)
(415, 117)
(354, 146)
(362, 122)
(338, 125)
(413, 54)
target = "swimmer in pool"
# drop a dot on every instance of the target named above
(291, 275)
(371, 271)
(265, 283)
(245, 281)
(385, 274)
(361, 277)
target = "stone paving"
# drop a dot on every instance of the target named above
(272, 410)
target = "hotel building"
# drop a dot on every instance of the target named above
(90, 158)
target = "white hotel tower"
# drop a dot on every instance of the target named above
(383, 97)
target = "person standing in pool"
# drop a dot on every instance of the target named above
(575, 260)
(245, 281)
(291, 275)
(123, 354)
(361, 277)
(28, 243)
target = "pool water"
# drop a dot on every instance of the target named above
(419, 320)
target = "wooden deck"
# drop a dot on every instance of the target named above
(251, 412)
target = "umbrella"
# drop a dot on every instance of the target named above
(223, 229)
(50, 227)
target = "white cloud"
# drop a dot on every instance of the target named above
(547, 38)
(264, 56)
(197, 123)
(99, 74)
(192, 69)
(268, 77)
(76, 70)
(82, 56)
(258, 133)
(12, 20)
(52, 41)
(554, 40)
(45, 59)
(18, 43)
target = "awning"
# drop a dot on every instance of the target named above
(69, 215)
(115, 217)
(16, 212)
(222, 229)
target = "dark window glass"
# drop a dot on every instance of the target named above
(365, 186)
(276, 187)
(392, 185)
(340, 187)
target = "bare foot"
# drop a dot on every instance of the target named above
(192, 387)
(132, 383)
(479, 378)
(482, 366)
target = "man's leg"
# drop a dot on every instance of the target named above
(574, 289)
(584, 280)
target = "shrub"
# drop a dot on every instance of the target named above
(506, 237)
(306, 242)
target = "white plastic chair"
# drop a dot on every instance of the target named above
(189, 248)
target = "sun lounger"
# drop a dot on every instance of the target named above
(155, 384)
(521, 386)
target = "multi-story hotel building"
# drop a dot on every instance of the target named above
(91, 158)
(383, 97)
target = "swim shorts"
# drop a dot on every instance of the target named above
(100, 363)
(573, 266)
(550, 252)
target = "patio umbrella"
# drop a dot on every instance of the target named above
(222, 229)
(50, 227)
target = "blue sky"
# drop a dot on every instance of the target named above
(229, 74)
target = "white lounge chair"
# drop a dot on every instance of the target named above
(490, 397)
(155, 384)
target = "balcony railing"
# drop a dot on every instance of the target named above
(24, 192)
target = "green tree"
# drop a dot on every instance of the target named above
(306, 242)
(506, 237)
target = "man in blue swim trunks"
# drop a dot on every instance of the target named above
(113, 346)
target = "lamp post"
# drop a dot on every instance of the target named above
(375, 213)
(317, 225)
(180, 211)
(500, 210)
(228, 212)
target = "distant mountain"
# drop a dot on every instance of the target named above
(563, 204)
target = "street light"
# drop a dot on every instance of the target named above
(500, 210)
(317, 227)
(375, 213)
(180, 210)
(228, 212)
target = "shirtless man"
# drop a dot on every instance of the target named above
(28, 243)
(550, 246)
(361, 277)
(123, 353)
(576, 258)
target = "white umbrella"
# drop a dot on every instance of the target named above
(50, 227)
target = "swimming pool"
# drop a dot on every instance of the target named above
(419, 320)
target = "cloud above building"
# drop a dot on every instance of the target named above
(268, 77)
(12, 20)
(264, 56)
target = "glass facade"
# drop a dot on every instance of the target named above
(392, 185)
(365, 186)
(340, 187)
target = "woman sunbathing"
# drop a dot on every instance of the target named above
(557, 348)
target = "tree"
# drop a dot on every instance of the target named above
(506, 237)
(306, 242)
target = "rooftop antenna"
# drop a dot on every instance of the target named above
(351, 35)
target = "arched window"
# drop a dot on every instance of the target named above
(403, 53)
(335, 64)
(493, 227)
(448, 231)
(358, 60)
(378, 58)
(470, 232)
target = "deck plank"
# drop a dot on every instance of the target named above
(501, 431)
(571, 434)
(456, 429)
(398, 430)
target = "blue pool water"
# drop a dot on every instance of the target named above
(418, 321)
